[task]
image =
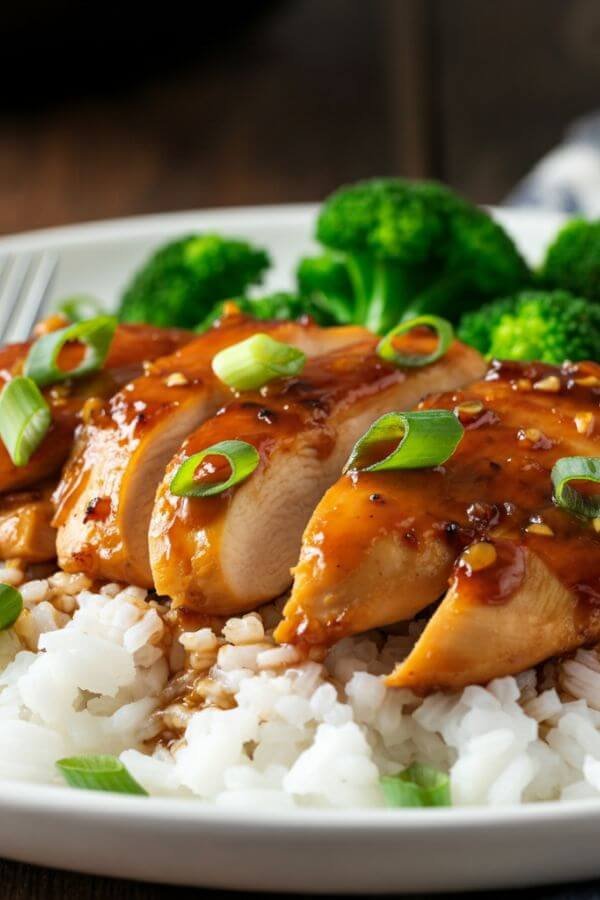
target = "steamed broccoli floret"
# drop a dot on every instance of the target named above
(416, 247)
(550, 326)
(325, 284)
(573, 260)
(280, 305)
(183, 280)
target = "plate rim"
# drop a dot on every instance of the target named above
(151, 224)
(32, 796)
(193, 810)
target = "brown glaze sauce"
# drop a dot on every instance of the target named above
(495, 487)
(497, 582)
(275, 415)
(273, 419)
(132, 344)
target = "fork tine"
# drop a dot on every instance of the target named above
(14, 272)
(32, 302)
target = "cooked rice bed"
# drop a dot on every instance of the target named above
(250, 724)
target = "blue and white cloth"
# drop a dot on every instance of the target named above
(568, 178)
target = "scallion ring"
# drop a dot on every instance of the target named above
(42, 360)
(254, 362)
(11, 604)
(24, 419)
(422, 439)
(80, 307)
(242, 458)
(390, 353)
(99, 773)
(576, 468)
(417, 786)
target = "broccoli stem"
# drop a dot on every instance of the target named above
(360, 270)
(382, 291)
(440, 299)
(390, 294)
(336, 308)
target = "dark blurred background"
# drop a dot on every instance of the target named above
(126, 107)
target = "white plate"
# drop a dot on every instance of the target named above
(185, 842)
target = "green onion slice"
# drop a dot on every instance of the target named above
(42, 361)
(80, 307)
(576, 468)
(259, 359)
(388, 351)
(99, 773)
(11, 604)
(417, 786)
(242, 458)
(24, 418)
(418, 440)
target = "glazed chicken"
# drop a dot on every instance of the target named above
(105, 497)
(26, 510)
(228, 553)
(26, 532)
(131, 346)
(523, 574)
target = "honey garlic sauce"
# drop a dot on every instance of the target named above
(518, 421)
(270, 418)
(119, 425)
(131, 345)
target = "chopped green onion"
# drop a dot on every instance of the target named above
(242, 458)
(11, 604)
(422, 439)
(576, 468)
(417, 786)
(99, 773)
(80, 307)
(388, 351)
(42, 360)
(259, 359)
(24, 419)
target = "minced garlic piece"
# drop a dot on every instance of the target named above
(540, 528)
(588, 381)
(480, 556)
(584, 422)
(551, 384)
(468, 408)
(176, 379)
(532, 434)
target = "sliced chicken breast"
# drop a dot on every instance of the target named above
(105, 497)
(382, 546)
(26, 532)
(471, 640)
(131, 346)
(229, 553)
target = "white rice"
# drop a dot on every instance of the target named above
(230, 719)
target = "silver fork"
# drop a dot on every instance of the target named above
(25, 282)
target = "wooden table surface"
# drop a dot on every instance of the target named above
(320, 92)
(20, 882)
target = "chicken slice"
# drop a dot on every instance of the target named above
(105, 497)
(471, 640)
(131, 346)
(382, 546)
(26, 532)
(229, 553)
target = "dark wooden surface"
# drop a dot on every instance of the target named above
(19, 882)
(317, 93)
